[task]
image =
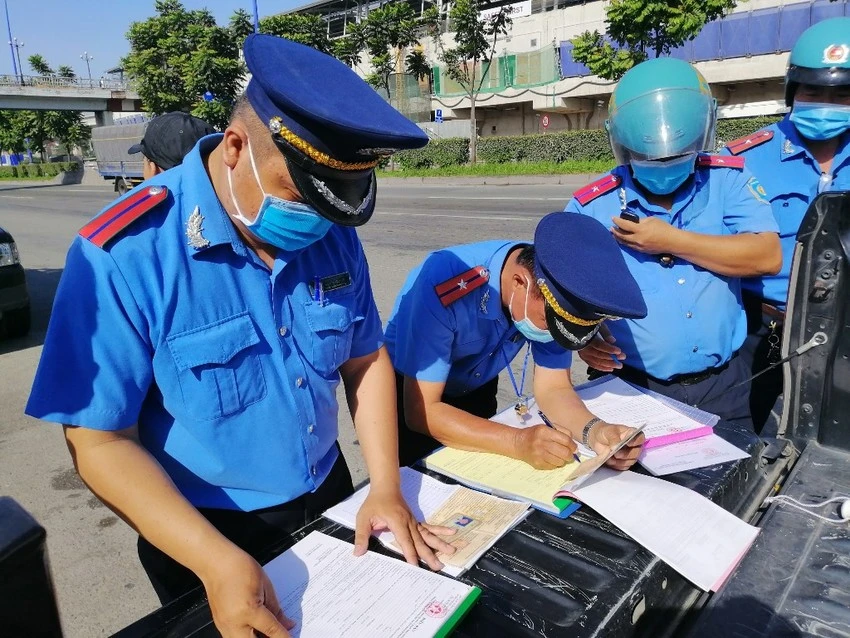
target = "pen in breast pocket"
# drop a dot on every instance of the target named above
(317, 290)
(549, 423)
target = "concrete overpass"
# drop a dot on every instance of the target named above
(38, 93)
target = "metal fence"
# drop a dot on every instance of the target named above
(758, 32)
(514, 70)
(55, 82)
(410, 96)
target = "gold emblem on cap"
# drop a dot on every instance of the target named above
(550, 299)
(277, 127)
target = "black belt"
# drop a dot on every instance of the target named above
(629, 373)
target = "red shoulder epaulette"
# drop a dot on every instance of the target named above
(461, 285)
(736, 147)
(120, 215)
(724, 161)
(599, 187)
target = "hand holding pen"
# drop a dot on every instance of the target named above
(549, 423)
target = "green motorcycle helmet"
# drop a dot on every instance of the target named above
(820, 57)
(661, 108)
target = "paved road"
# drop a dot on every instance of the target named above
(100, 585)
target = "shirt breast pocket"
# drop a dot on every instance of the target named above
(331, 333)
(219, 368)
(646, 269)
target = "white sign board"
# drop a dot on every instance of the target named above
(516, 10)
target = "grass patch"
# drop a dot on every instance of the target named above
(495, 170)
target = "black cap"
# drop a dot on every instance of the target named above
(169, 137)
(332, 128)
(583, 277)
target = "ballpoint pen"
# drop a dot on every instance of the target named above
(549, 423)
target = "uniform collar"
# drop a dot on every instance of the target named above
(205, 221)
(490, 304)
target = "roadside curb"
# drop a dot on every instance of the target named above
(74, 177)
(495, 180)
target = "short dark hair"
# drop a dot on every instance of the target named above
(245, 113)
(525, 258)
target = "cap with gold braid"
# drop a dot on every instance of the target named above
(583, 276)
(329, 124)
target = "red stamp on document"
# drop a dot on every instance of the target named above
(436, 609)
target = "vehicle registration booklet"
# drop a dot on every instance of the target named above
(479, 520)
(328, 591)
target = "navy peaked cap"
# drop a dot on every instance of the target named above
(331, 126)
(583, 277)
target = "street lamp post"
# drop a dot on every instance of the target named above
(88, 58)
(17, 44)
(9, 30)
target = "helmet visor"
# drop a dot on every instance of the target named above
(661, 124)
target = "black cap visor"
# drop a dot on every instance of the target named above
(797, 75)
(344, 197)
(571, 336)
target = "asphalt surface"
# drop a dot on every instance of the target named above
(100, 585)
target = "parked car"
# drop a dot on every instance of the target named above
(14, 297)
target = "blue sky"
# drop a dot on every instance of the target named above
(61, 30)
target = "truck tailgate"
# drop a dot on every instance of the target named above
(795, 580)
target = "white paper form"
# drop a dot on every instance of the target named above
(615, 401)
(696, 537)
(328, 591)
(689, 455)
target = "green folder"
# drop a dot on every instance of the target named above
(463, 609)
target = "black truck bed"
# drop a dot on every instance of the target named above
(550, 577)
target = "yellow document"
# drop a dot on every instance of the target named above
(502, 476)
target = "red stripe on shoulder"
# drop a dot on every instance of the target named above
(601, 186)
(460, 285)
(720, 161)
(119, 216)
(747, 142)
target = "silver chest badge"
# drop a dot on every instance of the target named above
(787, 147)
(195, 229)
(484, 299)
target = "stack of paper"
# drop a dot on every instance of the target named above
(479, 520)
(690, 455)
(696, 537)
(615, 401)
(328, 592)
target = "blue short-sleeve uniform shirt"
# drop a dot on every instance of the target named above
(790, 176)
(230, 370)
(469, 341)
(695, 319)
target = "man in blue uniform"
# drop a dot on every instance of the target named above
(467, 311)
(689, 225)
(806, 153)
(168, 137)
(204, 322)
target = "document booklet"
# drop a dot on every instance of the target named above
(509, 478)
(479, 520)
(328, 591)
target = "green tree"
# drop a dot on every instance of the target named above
(241, 25)
(306, 29)
(386, 33)
(643, 27)
(178, 56)
(468, 62)
(40, 66)
(65, 71)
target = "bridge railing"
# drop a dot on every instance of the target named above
(55, 82)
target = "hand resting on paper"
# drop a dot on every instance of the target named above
(387, 510)
(603, 436)
(601, 353)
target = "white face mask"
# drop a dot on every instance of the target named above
(525, 326)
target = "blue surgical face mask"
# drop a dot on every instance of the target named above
(819, 121)
(663, 177)
(526, 328)
(287, 225)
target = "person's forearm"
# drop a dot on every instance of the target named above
(459, 429)
(370, 391)
(744, 255)
(133, 485)
(564, 409)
